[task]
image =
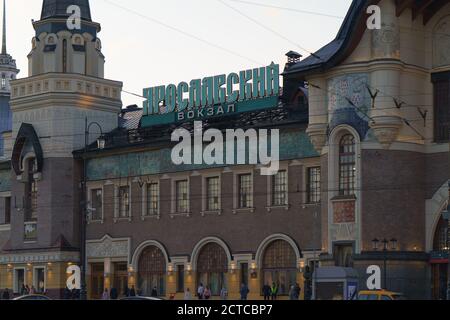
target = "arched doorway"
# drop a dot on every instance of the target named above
(279, 266)
(152, 271)
(212, 266)
(439, 260)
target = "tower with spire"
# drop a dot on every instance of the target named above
(64, 90)
(8, 72)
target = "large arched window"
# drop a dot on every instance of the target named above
(152, 271)
(279, 266)
(347, 165)
(441, 236)
(212, 265)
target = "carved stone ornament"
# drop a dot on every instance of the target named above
(386, 129)
(318, 135)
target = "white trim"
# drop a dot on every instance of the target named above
(205, 177)
(236, 174)
(35, 284)
(150, 180)
(270, 239)
(198, 247)
(96, 186)
(142, 246)
(270, 206)
(173, 187)
(15, 284)
(117, 217)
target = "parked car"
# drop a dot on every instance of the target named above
(33, 297)
(137, 298)
(383, 295)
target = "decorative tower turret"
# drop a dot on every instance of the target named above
(8, 72)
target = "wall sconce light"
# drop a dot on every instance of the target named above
(253, 271)
(233, 267)
(189, 269)
(301, 265)
(29, 267)
(130, 270)
(170, 269)
(49, 267)
(9, 268)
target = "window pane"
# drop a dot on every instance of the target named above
(7, 210)
(279, 189)
(213, 191)
(182, 196)
(124, 202)
(97, 204)
(441, 107)
(314, 185)
(245, 191)
(347, 166)
(152, 199)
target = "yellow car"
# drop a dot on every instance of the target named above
(382, 295)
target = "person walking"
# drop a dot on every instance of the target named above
(298, 291)
(244, 291)
(154, 292)
(224, 294)
(266, 292)
(105, 295)
(187, 294)
(200, 291)
(5, 295)
(133, 292)
(114, 294)
(207, 294)
(274, 291)
(32, 290)
(292, 293)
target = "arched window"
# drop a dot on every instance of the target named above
(441, 236)
(347, 165)
(279, 266)
(212, 265)
(152, 271)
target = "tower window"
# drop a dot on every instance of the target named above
(3, 81)
(64, 56)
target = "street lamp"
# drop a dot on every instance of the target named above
(101, 142)
(386, 248)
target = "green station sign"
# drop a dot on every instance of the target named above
(248, 90)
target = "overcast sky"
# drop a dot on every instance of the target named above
(142, 53)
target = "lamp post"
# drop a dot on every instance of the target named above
(385, 243)
(84, 211)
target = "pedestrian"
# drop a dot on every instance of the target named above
(23, 290)
(105, 295)
(274, 291)
(298, 290)
(244, 291)
(126, 291)
(132, 292)
(224, 294)
(32, 290)
(113, 294)
(266, 292)
(6, 295)
(292, 293)
(154, 292)
(207, 294)
(187, 294)
(200, 291)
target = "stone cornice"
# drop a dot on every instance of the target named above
(39, 257)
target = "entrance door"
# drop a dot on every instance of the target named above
(19, 280)
(120, 277)
(97, 280)
(440, 276)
